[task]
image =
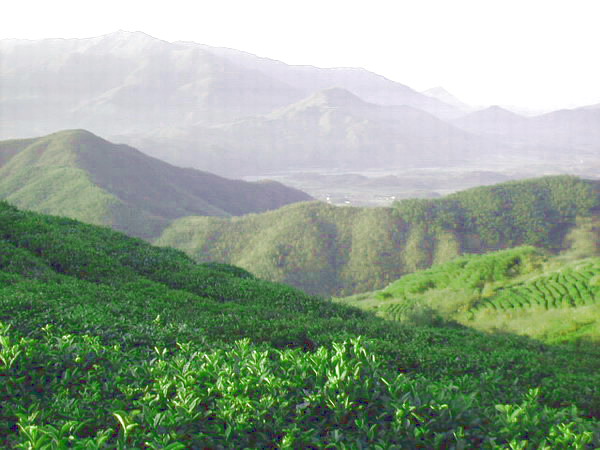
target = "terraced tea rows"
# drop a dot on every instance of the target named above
(570, 287)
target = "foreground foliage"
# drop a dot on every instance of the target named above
(243, 395)
(108, 342)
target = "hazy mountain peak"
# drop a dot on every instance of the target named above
(443, 95)
(330, 98)
(126, 34)
(596, 106)
(335, 97)
(496, 112)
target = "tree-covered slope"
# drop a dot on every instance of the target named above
(77, 174)
(106, 341)
(325, 249)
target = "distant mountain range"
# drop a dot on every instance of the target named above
(235, 113)
(332, 128)
(79, 175)
(124, 82)
(575, 131)
(443, 95)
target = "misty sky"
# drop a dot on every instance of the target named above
(541, 54)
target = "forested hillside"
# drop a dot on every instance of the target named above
(106, 341)
(332, 250)
(77, 174)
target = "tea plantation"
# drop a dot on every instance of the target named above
(108, 342)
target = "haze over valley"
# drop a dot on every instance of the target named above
(239, 115)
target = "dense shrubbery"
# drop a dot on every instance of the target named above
(112, 342)
(468, 272)
(243, 395)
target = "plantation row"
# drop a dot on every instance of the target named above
(469, 272)
(570, 287)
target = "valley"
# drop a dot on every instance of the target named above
(384, 186)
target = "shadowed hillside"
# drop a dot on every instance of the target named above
(77, 174)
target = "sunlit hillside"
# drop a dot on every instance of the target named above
(106, 341)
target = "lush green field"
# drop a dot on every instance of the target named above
(522, 290)
(108, 342)
(329, 250)
(79, 175)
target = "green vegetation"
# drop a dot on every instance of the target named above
(535, 212)
(79, 175)
(571, 286)
(520, 290)
(317, 247)
(108, 342)
(342, 251)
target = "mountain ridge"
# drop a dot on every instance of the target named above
(123, 187)
(329, 129)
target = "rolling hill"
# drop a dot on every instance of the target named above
(106, 341)
(344, 250)
(79, 175)
(521, 290)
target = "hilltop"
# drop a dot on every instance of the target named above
(80, 175)
(108, 341)
(345, 250)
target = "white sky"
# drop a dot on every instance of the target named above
(540, 54)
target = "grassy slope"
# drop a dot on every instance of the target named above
(521, 290)
(331, 250)
(77, 174)
(112, 340)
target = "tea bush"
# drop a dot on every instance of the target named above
(109, 342)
